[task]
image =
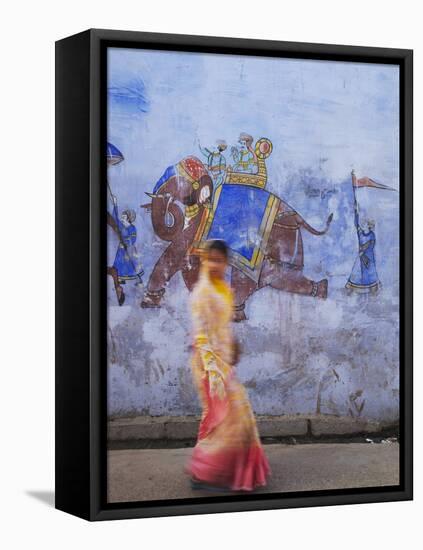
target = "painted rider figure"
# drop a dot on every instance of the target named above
(244, 155)
(216, 162)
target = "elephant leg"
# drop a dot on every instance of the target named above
(242, 287)
(191, 272)
(286, 245)
(293, 280)
(169, 263)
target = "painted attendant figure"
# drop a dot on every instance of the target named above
(126, 261)
(364, 278)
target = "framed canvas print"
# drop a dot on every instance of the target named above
(234, 274)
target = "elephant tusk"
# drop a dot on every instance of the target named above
(152, 195)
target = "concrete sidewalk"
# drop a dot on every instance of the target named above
(153, 474)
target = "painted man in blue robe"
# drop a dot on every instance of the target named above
(127, 261)
(364, 277)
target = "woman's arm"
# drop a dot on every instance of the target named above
(202, 343)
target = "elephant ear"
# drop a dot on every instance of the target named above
(167, 218)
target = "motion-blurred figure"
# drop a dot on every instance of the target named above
(228, 453)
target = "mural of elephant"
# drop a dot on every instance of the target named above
(179, 204)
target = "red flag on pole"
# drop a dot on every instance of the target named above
(368, 182)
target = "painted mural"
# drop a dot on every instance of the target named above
(294, 163)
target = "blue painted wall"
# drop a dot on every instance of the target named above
(323, 118)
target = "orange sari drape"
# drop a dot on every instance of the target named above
(228, 452)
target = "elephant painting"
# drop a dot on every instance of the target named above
(180, 204)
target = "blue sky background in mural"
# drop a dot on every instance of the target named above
(324, 118)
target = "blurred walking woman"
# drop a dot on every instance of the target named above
(228, 453)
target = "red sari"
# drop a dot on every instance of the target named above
(228, 452)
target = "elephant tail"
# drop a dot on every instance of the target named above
(310, 229)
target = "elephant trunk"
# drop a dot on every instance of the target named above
(167, 217)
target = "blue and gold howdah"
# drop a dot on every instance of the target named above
(242, 215)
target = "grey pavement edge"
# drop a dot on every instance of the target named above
(186, 427)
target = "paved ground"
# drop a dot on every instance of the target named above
(152, 474)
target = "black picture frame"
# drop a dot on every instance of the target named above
(81, 431)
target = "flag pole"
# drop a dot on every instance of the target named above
(354, 181)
